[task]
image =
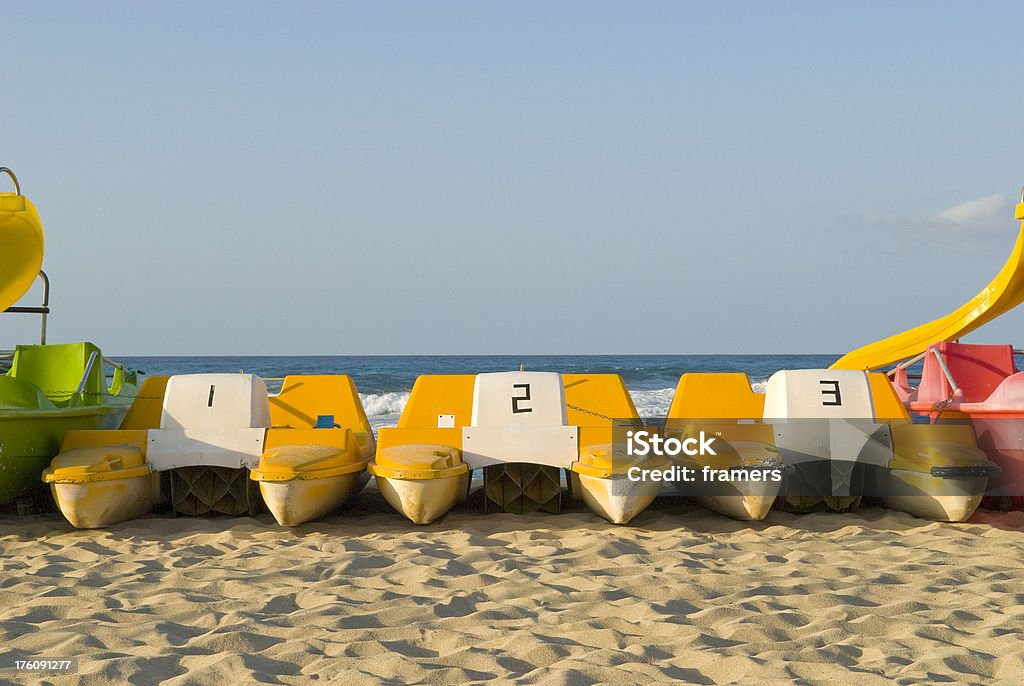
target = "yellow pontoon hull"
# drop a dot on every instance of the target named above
(929, 497)
(98, 504)
(614, 497)
(424, 500)
(298, 501)
(751, 504)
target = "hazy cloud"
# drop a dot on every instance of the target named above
(975, 220)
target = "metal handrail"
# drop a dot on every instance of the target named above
(89, 365)
(945, 370)
(88, 371)
(905, 364)
(17, 186)
(43, 310)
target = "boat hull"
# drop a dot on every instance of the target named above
(97, 504)
(616, 498)
(298, 501)
(29, 439)
(751, 501)
(930, 497)
(423, 500)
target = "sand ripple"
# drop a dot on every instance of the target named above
(876, 597)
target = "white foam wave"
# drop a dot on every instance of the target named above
(653, 403)
(382, 404)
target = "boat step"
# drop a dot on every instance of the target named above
(520, 488)
(205, 490)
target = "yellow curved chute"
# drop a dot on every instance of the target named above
(21, 244)
(1004, 293)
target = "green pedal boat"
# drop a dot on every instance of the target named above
(50, 389)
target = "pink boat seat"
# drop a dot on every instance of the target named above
(904, 391)
(977, 369)
(1008, 398)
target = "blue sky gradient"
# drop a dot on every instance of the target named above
(528, 177)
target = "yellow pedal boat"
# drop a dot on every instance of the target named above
(842, 435)
(521, 429)
(209, 433)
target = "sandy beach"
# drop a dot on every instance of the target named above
(363, 597)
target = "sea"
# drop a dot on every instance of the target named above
(384, 382)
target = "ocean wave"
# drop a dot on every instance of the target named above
(383, 404)
(653, 403)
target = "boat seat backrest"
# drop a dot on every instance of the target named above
(215, 401)
(977, 370)
(519, 417)
(818, 394)
(304, 400)
(725, 395)
(519, 398)
(147, 407)
(438, 400)
(57, 370)
(596, 399)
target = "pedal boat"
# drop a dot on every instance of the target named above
(521, 429)
(980, 384)
(847, 430)
(203, 434)
(725, 406)
(315, 455)
(48, 391)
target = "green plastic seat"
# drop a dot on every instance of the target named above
(16, 394)
(57, 371)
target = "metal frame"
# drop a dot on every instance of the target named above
(942, 365)
(17, 186)
(945, 370)
(43, 309)
(903, 365)
(89, 365)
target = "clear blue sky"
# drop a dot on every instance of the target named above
(518, 177)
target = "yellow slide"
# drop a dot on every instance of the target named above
(1004, 293)
(21, 244)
